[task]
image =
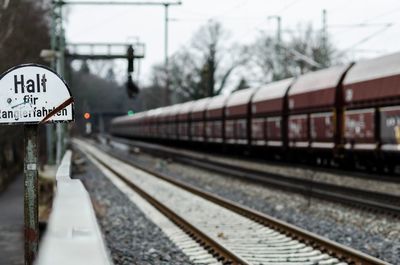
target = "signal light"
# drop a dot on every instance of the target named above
(131, 57)
(131, 88)
(86, 115)
(131, 112)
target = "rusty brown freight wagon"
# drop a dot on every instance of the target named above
(215, 119)
(372, 110)
(269, 117)
(198, 128)
(172, 129)
(184, 121)
(237, 114)
(314, 103)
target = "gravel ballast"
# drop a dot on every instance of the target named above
(129, 235)
(375, 234)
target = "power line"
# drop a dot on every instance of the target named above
(286, 7)
(277, 13)
(365, 39)
(101, 22)
(230, 9)
(359, 25)
(136, 3)
(219, 18)
(397, 9)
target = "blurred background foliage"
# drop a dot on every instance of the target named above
(24, 32)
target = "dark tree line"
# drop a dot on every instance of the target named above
(96, 94)
(24, 32)
(102, 97)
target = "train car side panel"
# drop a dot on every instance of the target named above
(230, 131)
(390, 125)
(257, 131)
(298, 130)
(360, 129)
(322, 129)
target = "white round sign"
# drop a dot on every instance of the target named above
(32, 94)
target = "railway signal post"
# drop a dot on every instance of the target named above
(30, 95)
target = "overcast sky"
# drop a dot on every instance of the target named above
(244, 19)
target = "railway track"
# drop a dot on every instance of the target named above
(369, 200)
(232, 233)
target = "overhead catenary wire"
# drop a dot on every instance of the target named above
(277, 13)
(286, 7)
(358, 25)
(365, 23)
(365, 39)
(391, 11)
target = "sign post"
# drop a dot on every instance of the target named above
(30, 95)
(31, 218)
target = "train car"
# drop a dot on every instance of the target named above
(314, 102)
(237, 117)
(151, 122)
(372, 110)
(172, 130)
(128, 126)
(347, 114)
(183, 121)
(118, 127)
(269, 116)
(214, 119)
(140, 127)
(197, 116)
(162, 122)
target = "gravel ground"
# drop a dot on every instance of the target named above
(375, 234)
(130, 236)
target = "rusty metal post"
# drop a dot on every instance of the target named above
(31, 193)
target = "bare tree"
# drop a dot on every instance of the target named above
(204, 67)
(313, 45)
(266, 60)
(305, 50)
(152, 96)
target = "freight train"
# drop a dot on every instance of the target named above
(346, 115)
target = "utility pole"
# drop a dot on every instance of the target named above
(278, 28)
(278, 71)
(324, 30)
(50, 127)
(167, 99)
(57, 64)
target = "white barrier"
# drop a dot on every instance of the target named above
(73, 235)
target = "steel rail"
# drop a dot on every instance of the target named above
(217, 250)
(330, 247)
(389, 204)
